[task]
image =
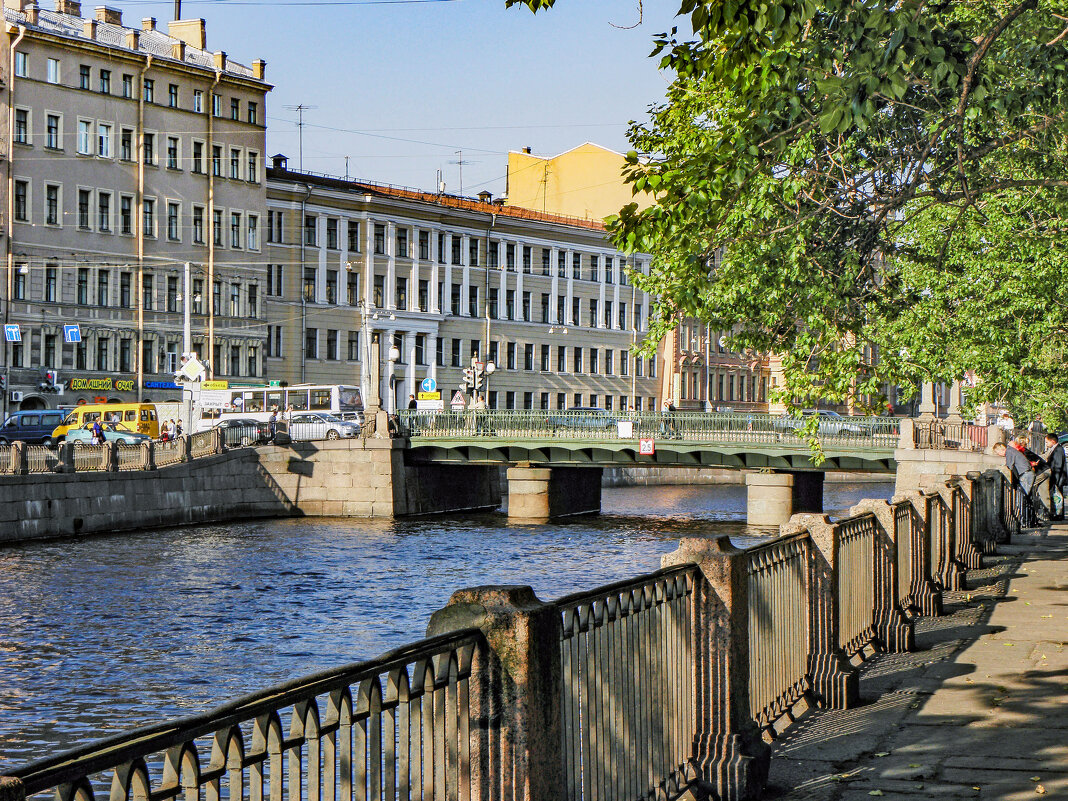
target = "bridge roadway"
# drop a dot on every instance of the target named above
(977, 711)
(680, 439)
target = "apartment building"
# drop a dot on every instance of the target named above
(131, 151)
(356, 269)
(702, 373)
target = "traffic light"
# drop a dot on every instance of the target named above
(3, 382)
(479, 375)
(469, 378)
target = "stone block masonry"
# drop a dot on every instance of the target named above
(358, 478)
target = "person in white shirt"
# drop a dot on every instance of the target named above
(1006, 422)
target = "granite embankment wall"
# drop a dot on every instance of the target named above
(360, 478)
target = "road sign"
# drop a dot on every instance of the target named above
(428, 385)
(428, 396)
(215, 399)
(624, 429)
(215, 385)
(646, 447)
(458, 401)
(192, 370)
(72, 333)
(430, 405)
(12, 333)
(478, 365)
(274, 383)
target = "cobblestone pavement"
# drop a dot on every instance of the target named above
(978, 711)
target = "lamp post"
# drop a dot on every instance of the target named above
(185, 299)
(490, 369)
(393, 357)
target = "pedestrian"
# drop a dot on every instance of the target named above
(667, 423)
(479, 408)
(1023, 477)
(1058, 476)
(97, 434)
(1006, 423)
(1037, 426)
(177, 427)
(411, 402)
(272, 424)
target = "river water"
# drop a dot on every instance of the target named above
(110, 632)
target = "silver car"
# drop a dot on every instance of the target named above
(320, 425)
(113, 432)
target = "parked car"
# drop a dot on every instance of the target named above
(591, 418)
(31, 427)
(113, 432)
(319, 425)
(243, 431)
(829, 422)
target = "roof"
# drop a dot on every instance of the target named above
(421, 196)
(151, 42)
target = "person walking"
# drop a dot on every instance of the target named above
(1023, 476)
(411, 402)
(272, 425)
(97, 434)
(479, 408)
(1006, 423)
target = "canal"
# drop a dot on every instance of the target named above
(111, 632)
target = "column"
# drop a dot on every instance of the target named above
(391, 265)
(368, 266)
(446, 300)
(410, 383)
(536, 494)
(320, 266)
(465, 283)
(432, 354)
(519, 280)
(554, 284)
(927, 403)
(570, 290)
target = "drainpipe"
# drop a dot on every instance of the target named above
(141, 229)
(303, 294)
(210, 290)
(10, 288)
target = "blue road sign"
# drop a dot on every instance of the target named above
(72, 333)
(12, 333)
(428, 385)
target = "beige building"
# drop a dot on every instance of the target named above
(356, 267)
(132, 151)
(701, 372)
(584, 182)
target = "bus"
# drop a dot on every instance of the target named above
(258, 403)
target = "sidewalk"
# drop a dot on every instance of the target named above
(978, 711)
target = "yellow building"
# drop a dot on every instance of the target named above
(584, 182)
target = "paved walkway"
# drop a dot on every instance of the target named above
(979, 711)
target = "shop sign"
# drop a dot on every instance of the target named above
(161, 385)
(106, 384)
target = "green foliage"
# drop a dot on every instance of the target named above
(836, 178)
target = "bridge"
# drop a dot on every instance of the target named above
(555, 454)
(797, 662)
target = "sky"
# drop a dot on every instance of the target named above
(403, 88)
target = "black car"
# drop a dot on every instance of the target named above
(244, 431)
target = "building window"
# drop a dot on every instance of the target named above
(472, 252)
(104, 211)
(173, 213)
(379, 291)
(311, 230)
(279, 227)
(102, 353)
(126, 145)
(198, 225)
(19, 289)
(253, 167)
(50, 284)
(545, 358)
(472, 301)
(235, 164)
(252, 306)
(198, 100)
(274, 340)
(456, 359)
(235, 300)
(125, 279)
(149, 215)
(198, 157)
(22, 192)
(331, 286)
(85, 198)
(20, 64)
(332, 353)
(527, 252)
(85, 76)
(216, 105)
(510, 355)
(528, 357)
(85, 137)
(51, 204)
(172, 95)
(235, 229)
(150, 148)
(353, 229)
(353, 288)
(172, 152)
(309, 284)
(274, 280)
(105, 82)
(424, 244)
(49, 350)
(172, 293)
(127, 86)
(253, 362)
(253, 238)
(216, 298)
(402, 294)
(380, 239)
(253, 113)
(217, 227)
(235, 108)
(420, 349)
(235, 360)
(150, 90)
(216, 160)
(126, 214)
(455, 249)
(331, 233)
(103, 140)
(311, 343)
(561, 358)
(52, 70)
(354, 346)
(22, 126)
(52, 134)
(83, 286)
(103, 289)
(577, 368)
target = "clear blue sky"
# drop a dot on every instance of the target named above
(400, 87)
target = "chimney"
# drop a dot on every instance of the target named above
(15, 5)
(259, 69)
(279, 162)
(485, 196)
(31, 13)
(190, 31)
(112, 16)
(72, 7)
(220, 60)
(178, 50)
(89, 28)
(148, 23)
(526, 150)
(133, 40)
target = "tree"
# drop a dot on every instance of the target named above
(835, 178)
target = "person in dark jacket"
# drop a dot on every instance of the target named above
(1058, 474)
(1023, 476)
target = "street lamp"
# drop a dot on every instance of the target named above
(393, 356)
(490, 369)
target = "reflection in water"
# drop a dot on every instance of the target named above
(111, 632)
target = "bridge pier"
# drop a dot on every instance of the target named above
(773, 497)
(536, 494)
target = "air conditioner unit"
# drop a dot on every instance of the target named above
(16, 397)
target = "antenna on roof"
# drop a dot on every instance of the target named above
(440, 183)
(460, 162)
(300, 109)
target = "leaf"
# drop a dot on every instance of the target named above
(875, 792)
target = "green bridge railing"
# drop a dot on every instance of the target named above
(699, 427)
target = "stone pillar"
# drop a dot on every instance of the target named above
(148, 455)
(66, 457)
(834, 680)
(524, 661)
(994, 435)
(187, 447)
(770, 498)
(109, 459)
(949, 570)
(729, 755)
(953, 412)
(893, 629)
(536, 494)
(19, 458)
(924, 594)
(969, 498)
(928, 409)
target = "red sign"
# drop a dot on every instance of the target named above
(646, 447)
